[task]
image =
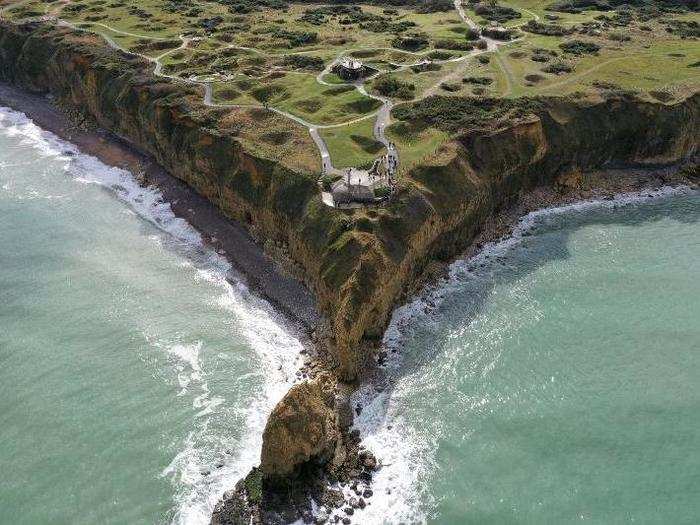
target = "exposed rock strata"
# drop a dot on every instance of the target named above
(359, 263)
(302, 428)
(305, 450)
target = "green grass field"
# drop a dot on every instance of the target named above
(352, 145)
(270, 57)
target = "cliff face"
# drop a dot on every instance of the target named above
(359, 263)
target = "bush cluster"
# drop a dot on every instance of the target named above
(455, 114)
(393, 87)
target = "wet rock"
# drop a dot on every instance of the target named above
(346, 521)
(349, 511)
(367, 493)
(302, 427)
(368, 460)
(361, 503)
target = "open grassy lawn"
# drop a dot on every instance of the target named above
(352, 145)
(270, 57)
(649, 61)
(414, 143)
(273, 136)
(299, 94)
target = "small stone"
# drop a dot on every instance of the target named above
(206, 472)
(346, 521)
(321, 518)
(358, 409)
(354, 503)
(367, 493)
(361, 503)
(349, 511)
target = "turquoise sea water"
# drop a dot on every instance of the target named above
(556, 379)
(553, 379)
(134, 380)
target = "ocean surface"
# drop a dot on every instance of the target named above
(555, 378)
(134, 379)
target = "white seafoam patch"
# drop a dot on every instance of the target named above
(401, 491)
(277, 350)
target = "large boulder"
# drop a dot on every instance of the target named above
(303, 429)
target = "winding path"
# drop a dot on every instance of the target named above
(382, 116)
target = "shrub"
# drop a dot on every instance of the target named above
(328, 180)
(410, 43)
(276, 137)
(558, 68)
(253, 485)
(228, 94)
(426, 66)
(453, 45)
(472, 34)
(619, 37)
(295, 38)
(579, 47)
(393, 87)
(307, 62)
(383, 192)
(440, 55)
(435, 6)
(496, 13)
(265, 94)
(450, 87)
(534, 78)
(454, 113)
(547, 29)
(482, 81)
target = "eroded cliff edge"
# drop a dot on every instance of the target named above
(359, 263)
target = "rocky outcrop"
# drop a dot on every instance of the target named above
(359, 263)
(302, 429)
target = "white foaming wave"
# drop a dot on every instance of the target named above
(146, 202)
(278, 353)
(277, 350)
(408, 457)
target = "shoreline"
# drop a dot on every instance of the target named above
(515, 224)
(262, 275)
(613, 185)
(289, 297)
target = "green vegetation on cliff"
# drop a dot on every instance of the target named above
(465, 154)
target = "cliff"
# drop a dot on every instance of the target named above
(359, 263)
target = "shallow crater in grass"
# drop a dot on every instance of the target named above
(367, 144)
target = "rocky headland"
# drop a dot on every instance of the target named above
(358, 263)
